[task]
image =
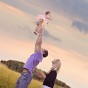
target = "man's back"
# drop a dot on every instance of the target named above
(33, 61)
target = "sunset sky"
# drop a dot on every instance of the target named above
(65, 37)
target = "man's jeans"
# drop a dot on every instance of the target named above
(24, 80)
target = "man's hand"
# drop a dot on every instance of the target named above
(41, 75)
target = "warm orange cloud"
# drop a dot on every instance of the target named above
(10, 10)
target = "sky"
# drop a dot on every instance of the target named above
(65, 37)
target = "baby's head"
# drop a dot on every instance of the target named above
(47, 14)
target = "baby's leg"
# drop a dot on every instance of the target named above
(39, 27)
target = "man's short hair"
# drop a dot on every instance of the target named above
(45, 54)
(47, 12)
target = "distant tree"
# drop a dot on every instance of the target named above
(14, 65)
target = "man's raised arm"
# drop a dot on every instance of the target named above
(38, 43)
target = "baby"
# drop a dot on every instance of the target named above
(41, 21)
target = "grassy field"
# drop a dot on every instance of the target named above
(8, 79)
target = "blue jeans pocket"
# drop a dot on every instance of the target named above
(24, 76)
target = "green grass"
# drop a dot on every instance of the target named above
(8, 79)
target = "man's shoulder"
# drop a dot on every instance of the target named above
(39, 52)
(37, 55)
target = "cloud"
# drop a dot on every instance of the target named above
(47, 34)
(74, 8)
(81, 26)
(22, 5)
(73, 65)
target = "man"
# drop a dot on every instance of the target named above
(31, 63)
